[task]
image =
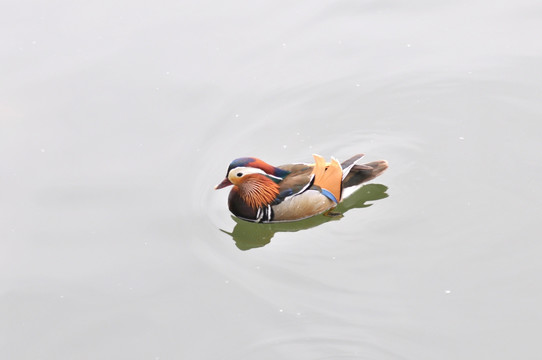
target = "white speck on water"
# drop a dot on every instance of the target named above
(461, 138)
(42, 150)
(145, 243)
(257, 267)
(236, 115)
(157, 89)
(298, 314)
(284, 146)
(357, 85)
(167, 72)
(447, 291)
(140, 145)
(34, 42)
(62, 296)
(226, 281)
(281, 310)
(333, 258)
(284, 44)
(408, 45)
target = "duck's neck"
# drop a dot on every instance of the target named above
(258, 190)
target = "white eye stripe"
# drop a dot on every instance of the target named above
(245, 170)
(240, 171)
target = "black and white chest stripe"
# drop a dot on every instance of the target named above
(264, 214)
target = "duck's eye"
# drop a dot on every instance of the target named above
(239, 174)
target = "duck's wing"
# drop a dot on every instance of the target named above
(354, 159)
(296, 168)
(327, 178)
(347, 165)
(359, 174)
(299, 180)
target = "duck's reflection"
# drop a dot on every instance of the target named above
(248, 235)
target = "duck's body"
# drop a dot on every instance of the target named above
(265, 193)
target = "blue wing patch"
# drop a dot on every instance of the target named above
(329, 195)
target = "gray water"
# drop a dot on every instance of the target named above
(118, 118)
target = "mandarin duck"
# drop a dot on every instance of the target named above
(265, 193)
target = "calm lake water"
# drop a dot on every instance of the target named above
(118, 118)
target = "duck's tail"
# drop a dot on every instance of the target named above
(358, 174)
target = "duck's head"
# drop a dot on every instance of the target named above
(240, 168)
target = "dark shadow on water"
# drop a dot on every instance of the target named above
(248, 235)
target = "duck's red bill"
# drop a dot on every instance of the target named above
(223, 184)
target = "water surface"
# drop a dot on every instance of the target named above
(119, 118)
